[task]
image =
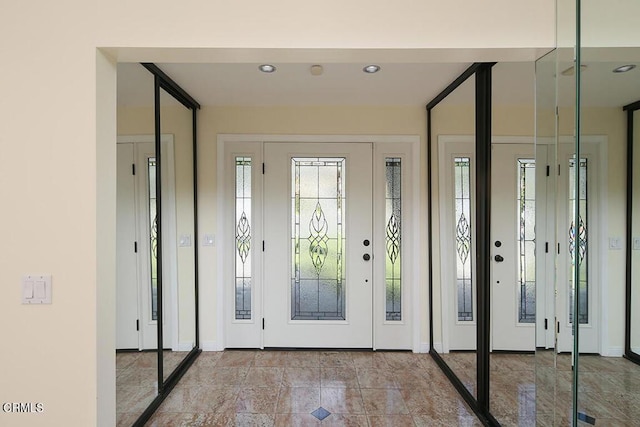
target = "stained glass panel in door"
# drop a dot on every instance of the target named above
(526, 241)
(318, 238)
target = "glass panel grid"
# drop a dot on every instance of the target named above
(578, 242)
(153, 236)
(526, 241)
(464, 280)
(243, 239)
(393, 217)
(318, 238)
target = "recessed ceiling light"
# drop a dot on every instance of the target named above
(267, 68)
(371, 69)
(624, 68)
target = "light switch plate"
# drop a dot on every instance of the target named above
(209, 240)
(636, 243)
(185, 240)
(36, 289)
(615, 243)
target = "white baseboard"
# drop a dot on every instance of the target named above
(635, 349)
(614, 352)
(210, 346)
(424, 347)
(185, 346)
(437, 346)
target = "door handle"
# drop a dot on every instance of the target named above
(499, 258)
(366, 257)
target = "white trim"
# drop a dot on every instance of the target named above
(437, 346)
(414, 140)
(603, 224)
(424, 348)
(184, 346)
(172, 266)
(503, 139)
(220, 249)
(613, 352)
(211, 346)
(415, 274)
(224, 138)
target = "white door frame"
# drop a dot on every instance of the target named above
(381, 144)
(170, 268)
(598, 244)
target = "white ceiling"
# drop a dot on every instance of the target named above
(400, 84)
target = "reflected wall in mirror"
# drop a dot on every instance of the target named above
(136, 268)
(179, 237)
(546, 148)
(157, 241)
(515, 200)
(601, 371)
(453, 133)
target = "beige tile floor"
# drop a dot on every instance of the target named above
(528, 390)
(278, 388)
(136, 381)
(273, 388)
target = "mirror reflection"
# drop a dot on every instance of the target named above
(156, 241)
(453, 128)
(514, 200)
(179, 237)
(606, 89)
(136, 250)
(545, 131)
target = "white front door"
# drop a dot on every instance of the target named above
(318, 245)
(513, 244)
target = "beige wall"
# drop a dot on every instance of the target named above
(58, 163)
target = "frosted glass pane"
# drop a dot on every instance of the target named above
(578, 240)
(318, 238)
(153, 239)
(526, 240)
(464, 281)
(393, 237)
(243, 224)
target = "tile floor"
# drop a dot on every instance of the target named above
(278, 388)
(137, 381)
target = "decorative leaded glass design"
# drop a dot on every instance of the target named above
(153, 236)
(578, 241)
(318, 238)
(393, 217)
(526, 241)
(464, 280)
(243, 238)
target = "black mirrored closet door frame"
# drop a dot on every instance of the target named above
(482, 74)
(628, 352)
(164, 82)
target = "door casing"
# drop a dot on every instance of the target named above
(170, 264)
(384, 145)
